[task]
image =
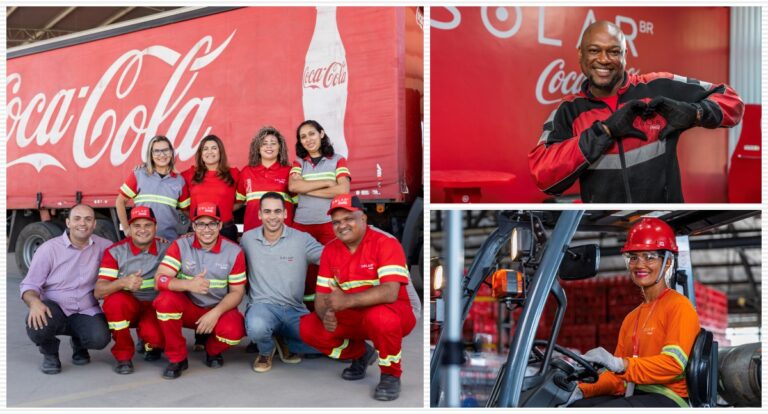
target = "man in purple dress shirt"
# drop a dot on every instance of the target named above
(58, 290)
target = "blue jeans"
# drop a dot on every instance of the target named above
(264, 320)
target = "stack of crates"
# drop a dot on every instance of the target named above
(712, 307)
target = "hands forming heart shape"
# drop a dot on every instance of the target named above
(679, 116)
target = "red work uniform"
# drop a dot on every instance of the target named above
(225, 265)
(213, 190)
(127, 309)
(255, 182)
(379, 258)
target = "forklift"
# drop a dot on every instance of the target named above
(541, 373)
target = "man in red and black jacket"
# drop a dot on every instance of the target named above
(618, 136)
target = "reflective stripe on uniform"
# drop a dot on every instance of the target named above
(147, 283)
(168, 316)
(127, 191)
(359, 283)
(256, 195)
(325, 281)
(296, 170)
(217, 284)
(660, 389)
(239, 197)
(389, 360)
(228, 341)
(152, 198)
(236, 278)
(320, 176)
(342, 170)
(336, 352)
(105, 271)
(171, 262)
(677, 353)
(185, 203)
(309, 298)
(116, 326)
(392, 270)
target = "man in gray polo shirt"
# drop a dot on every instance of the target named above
(277, 257)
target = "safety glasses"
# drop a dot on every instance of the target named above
(633, 258)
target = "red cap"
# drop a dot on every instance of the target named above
(207, 210)
(142, 212)
(347, 202)
(650, 234)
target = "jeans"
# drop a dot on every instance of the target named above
(263, 320)
(89, 332)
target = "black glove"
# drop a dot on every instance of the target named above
(679, 115)
(620, 123)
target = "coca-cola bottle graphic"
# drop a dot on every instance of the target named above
(325, 79)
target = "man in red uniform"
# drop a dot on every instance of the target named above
(648, 367)
(361, 294)
(201, 281)
(618, 136)
(127, 284)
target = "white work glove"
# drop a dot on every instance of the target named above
(606, 359)
(575, 395)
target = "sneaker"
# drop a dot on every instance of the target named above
(51, 364)
(356, 371)
(388, 388)
(214, 361)
(263, 363)
(285, 353)
(173, 370)
(124, 367)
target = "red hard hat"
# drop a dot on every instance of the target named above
(650, 234)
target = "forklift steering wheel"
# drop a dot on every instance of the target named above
(589, 375)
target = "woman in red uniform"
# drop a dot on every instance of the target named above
(212, 180)
(267, 170)
(318, 175)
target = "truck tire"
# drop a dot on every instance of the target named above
(30, 238)
(105, 229)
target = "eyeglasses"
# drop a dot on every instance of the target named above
(646, 257)
(163, 151)
(198, 225)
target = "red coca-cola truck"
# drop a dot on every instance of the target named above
(82, 108)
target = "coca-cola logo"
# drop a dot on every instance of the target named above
(554, 82)
(99, 128)
(325, 76)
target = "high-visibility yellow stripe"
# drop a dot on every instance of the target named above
(296, 170)
(239, 197)
(342, 170)
(127, 191)
(168, 316)
(336, 352)
(185, 203)
(217, 284)
(228, 341)
(309, 298)
(320, 176)
(184, 276)
(153, 198)
(147, 283)
(359, 283)
(392, 270)
(111, 273)
(660, 389)
(237, 278)
(389, 360)
(172, 262)
(677, 353)
(116, 326)
(256, 195)
(325, 281)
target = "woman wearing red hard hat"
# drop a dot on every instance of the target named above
(648, 367)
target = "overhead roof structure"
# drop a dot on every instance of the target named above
(28, 25)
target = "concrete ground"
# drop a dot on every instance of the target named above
(312, 383)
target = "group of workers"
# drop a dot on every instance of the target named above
(160, 278)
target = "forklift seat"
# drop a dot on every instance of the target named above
(701, 371)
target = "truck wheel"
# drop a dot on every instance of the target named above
(105, 229)
(30, 238)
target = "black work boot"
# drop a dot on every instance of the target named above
(80, 355)
(388, 388)
(173, 370)
(356, 371)
(124, 367)
(152, 354)
(214, 361)
(51, 364)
